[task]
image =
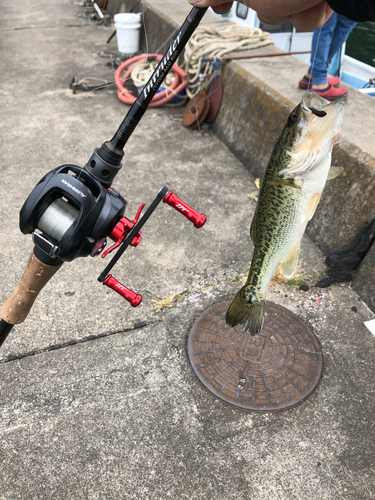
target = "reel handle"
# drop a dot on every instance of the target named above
(36, 275)
(192, 215)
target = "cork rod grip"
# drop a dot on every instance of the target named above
(18, 305)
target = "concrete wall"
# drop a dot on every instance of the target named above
(115, 6)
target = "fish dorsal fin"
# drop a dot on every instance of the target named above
(289, 265)
(334, 172)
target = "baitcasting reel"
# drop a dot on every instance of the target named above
(70, 214)
(72, 211)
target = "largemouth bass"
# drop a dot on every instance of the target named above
(290, 191)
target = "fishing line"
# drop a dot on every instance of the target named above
(312, 65)
(144, 27)
(83, 120)
(122, 80)
(167, 40)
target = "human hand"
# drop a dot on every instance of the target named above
(306, 15)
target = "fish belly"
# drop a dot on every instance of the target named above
(278, 235)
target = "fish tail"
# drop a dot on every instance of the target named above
(247, 311)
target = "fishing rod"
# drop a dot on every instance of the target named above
(72, 211)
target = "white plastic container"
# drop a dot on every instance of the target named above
(128, 30)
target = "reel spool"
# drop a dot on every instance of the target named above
(69, 211)
(57, 219)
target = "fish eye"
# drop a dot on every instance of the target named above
(292, 118)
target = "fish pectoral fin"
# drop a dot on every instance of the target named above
(285, 182)
(309, 211)
(334, 172)
(289, 265)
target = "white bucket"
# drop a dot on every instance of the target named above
(127, 31)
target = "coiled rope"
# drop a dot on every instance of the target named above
(207, 43)
(210, 42)
(142, 72)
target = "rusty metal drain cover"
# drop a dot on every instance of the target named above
(273, 371)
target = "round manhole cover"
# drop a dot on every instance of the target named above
(273, 371)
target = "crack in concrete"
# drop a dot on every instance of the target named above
(69, 343)
(45, 27)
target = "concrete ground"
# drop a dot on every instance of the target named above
(123, 415)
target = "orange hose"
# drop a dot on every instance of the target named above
(179, 83)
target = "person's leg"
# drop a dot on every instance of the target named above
(320, 45)
(320, 48)
(314, 41)
(343, 28)
(325, 41)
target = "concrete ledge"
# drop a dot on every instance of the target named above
(258, 96)
(251, 117)
(348, 202)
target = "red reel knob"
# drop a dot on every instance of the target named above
(192, 215)
(134, 298)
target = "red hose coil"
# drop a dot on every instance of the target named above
(178, 85)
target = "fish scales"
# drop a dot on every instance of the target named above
(289, 193)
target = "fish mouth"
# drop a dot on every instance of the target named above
(322, 113)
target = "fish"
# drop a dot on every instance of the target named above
(290, 191)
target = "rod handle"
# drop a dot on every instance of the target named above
(36, 275)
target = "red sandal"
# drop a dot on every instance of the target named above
(331, 93)
(305, 83)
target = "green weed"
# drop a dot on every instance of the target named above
(293, 282)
